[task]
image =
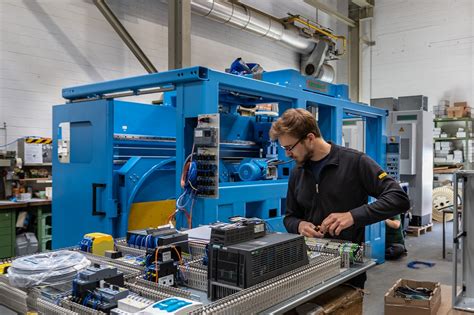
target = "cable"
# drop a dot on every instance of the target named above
(7, 144)
(276, 163)
(146, 242)
(191, 215)
(179, 255)
(48, 268)
(86, 300)
(156, 262)
(415, 264)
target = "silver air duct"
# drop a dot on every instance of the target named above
(244, 18)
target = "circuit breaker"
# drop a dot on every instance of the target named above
(206, 140)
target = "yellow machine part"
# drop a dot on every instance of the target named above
(147, 214)
(4, 267)
(100, 243)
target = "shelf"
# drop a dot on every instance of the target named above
(452, 138)
(5, 163)
(34, 179)
(453, 119)
(38, 164)
(447, 164)
(444, 172)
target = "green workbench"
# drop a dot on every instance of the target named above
(8, 214)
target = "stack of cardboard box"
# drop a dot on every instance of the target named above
(459, 110)
(446, 153)
(440, 110)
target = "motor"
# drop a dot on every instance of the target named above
(256, 169)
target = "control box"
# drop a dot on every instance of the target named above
(393, 157)
(206, 140)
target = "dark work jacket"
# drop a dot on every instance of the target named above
(346, 181)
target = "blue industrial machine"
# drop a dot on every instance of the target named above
(212, 126)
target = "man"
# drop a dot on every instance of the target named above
(394, 241)
(328, 190)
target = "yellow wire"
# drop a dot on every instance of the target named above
(319, 30)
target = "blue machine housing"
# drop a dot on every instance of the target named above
(108, 169)
(243, 147)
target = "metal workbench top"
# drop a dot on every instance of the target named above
(319, 289)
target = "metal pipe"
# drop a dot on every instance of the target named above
(245, 18)
(124, 35)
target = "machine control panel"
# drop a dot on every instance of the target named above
(206, 140)
(406, 127)
(393, 157)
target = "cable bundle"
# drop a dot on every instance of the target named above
(409, 293)
(49, 268)
(187, 198)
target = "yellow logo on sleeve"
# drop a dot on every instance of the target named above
(382, 175)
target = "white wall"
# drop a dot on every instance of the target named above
(422, 47)
(46, 45)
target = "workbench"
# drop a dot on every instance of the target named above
(8, 214)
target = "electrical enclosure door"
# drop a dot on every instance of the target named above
(82, 171)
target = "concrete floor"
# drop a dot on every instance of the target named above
(427, 247)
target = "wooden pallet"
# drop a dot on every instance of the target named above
(418, 230)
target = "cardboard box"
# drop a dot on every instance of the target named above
(460, 104)
(400, 306)
(342, 300)
(456, 111)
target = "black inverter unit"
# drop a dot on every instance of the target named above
(226, 234)
(236, 267)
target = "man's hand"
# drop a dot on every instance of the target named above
(336, 222)
(308, 229)
(394, 224)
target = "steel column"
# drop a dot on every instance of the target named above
(179, 34)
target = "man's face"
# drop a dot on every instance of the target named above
(297, 149)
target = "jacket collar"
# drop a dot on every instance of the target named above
(333, 156)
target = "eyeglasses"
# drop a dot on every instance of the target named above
(289, 148)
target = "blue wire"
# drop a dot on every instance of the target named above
(138, 241)
(192, 174)
(131, 240)
(86, 299)
(189, 192)
(6, 145)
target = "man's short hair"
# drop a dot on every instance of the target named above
(295, 122)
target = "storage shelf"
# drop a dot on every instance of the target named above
(35, 179)
(452, 138)
(453, 119)
(38, 164)
(445, 171)
(447, 164)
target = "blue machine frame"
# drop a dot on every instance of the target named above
(196, 91)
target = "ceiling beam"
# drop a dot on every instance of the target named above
(328, 10)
